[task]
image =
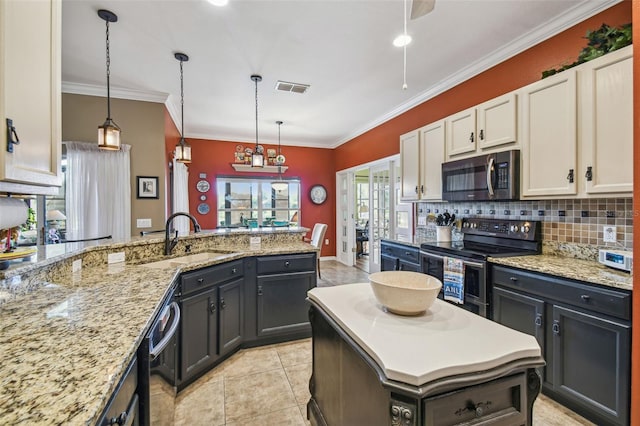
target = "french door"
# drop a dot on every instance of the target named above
(382, 200)
(345, 238)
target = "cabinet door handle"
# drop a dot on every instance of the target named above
(585, 298)
(589, 174)
(222, 304)
(200, 280)
(233, 271)
(286, 264)
(481, 134)
(471, 138)
(570, 176)
(12, 135)
(212, 308)
(416, 190)
(259, 290)
(422, 189)
(538, 320)
(514, 279)
(556, 327)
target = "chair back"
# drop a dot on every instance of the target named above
(317, 235)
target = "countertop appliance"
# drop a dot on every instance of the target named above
(619, 259)
(158, 369)
(483, 238)
(494, 176)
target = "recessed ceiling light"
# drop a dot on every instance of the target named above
(402, 40)
(218, 2)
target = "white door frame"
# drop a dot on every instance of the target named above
(350, 227)
(345, 232)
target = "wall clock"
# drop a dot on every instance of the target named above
(318, 194)
(203, 186)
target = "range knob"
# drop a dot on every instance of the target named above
(514, 228)
(525, 228)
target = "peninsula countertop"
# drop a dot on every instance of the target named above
(67, 338)
(421, 349)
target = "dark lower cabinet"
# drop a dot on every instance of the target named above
(231, 309)
(281, 303)
(584, 332)
(396, 256)
(199, 332)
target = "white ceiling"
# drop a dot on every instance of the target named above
(342, 48)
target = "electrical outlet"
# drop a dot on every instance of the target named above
(422, 221)
(76, 265)
(143, 223)
(609, 234)
(326, 242)
(254, 240)
(115, 257)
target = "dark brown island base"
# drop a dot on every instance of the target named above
(444, 367)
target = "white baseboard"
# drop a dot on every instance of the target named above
(323, 258)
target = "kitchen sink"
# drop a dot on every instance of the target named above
(185, 260)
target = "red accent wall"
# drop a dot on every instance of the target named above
(522, 69)
(311, 165)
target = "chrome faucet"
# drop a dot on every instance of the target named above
(170, 243)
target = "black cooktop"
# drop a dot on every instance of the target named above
(491, 238)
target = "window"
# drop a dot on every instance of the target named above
(253, 202)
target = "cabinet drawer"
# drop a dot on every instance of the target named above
(406, 253)
(612, 302)
(500, 402)
(204, 278)
(283, 264)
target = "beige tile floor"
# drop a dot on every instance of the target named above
(269, 385)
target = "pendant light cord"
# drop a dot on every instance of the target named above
(404, 63)
(108, 75)
(256, 81)
(181, 104)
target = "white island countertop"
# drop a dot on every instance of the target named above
(443, 342)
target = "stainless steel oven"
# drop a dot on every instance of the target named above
(158, 370)
(492, 176)
(483, 238)
(476, 298)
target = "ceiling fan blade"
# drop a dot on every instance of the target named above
(421, 7)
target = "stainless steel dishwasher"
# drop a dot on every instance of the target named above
(158, 365)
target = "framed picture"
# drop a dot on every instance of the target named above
(147, 187)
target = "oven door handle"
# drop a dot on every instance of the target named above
(490, 176)
(465, 262)
(156, 350)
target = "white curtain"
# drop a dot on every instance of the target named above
(98, 198)
(181, 197)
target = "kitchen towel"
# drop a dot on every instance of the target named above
(13, 212)
(453, 280)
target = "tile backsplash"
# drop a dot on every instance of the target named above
(563, 221)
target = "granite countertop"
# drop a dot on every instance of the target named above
(567, 267)
(66, 341)
(403, 346)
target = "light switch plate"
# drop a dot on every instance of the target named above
(115, 257)
(143, 223)
(254, 240)
(76, 265)
(609, 234)
(422, 221)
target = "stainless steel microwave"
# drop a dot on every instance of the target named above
(494, 176)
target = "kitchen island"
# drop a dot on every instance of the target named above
(67, 337)
(447, 366)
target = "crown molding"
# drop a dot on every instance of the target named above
(543, 32)
(133, 95)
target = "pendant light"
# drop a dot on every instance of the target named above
(279, 185)
(183, 149)
(108, 132)
(257, 158)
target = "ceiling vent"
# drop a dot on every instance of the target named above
(285, 86)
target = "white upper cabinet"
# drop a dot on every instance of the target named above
(30, 94)
(490, 126)
(548, 136)
(421, 158)
(432, 139)
(409, 166)
(606, 123)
